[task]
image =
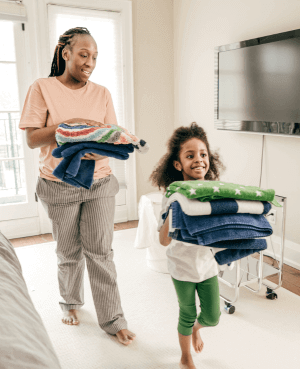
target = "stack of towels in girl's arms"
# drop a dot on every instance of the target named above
(74, 140)
(225, 216)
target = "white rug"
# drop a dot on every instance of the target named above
(261, 334)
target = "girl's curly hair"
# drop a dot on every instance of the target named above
(165, 173)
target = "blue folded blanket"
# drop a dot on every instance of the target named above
(80, 173)
(231, 250)
(236, 233)
(208, 229)
(238, 249)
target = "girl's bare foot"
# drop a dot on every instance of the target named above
(125, 336)
(70, 317)
(187, 363)
(196, 338)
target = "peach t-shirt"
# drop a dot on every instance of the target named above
(49, 102)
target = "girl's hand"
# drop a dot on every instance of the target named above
(92, 156)
(164, 239)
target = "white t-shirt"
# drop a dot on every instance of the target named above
(186, 261)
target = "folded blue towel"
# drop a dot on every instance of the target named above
(238, 249)
(80, 173)
(238, 234)
(115, 151)
(220, 206)
(231, 206)
(234, 249)
(84, 177)
(208, 229)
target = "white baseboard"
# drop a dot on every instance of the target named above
(34, 226)
(17, 228)
(121, 214)
(291, 251)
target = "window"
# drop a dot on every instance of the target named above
(18, 209)
(12, 168)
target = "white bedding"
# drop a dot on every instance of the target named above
(24, 342)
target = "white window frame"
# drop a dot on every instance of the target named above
(21, 219)
(40, 61)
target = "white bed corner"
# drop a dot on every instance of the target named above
(24, 342)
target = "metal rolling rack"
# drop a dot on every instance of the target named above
(244, 269)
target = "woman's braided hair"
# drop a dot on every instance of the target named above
(165, 173)
(58, 62)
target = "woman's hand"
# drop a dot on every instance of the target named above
(40, 137)
(92, 156)
(84, 121)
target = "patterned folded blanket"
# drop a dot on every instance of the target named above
(106, 133)
(210, 190)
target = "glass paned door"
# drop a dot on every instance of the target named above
(105, 27)
(12, 169)
(16, 170)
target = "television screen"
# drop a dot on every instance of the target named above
(258, 85)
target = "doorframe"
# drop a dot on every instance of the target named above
(38, 64)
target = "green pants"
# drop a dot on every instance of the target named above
(208, 292)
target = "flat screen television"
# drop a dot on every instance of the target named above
(257, 85)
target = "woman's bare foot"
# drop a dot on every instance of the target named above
(70, 317)
(125, 336)
(187, 363)
(196, 338)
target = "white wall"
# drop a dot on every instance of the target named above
(199, 26)
(153, 58)
(153, 82)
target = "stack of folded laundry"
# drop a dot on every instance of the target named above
(74, 140)
(225, 216)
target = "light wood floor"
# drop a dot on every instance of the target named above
(42, 238)
(291, 276)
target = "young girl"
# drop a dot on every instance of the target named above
(192, 267)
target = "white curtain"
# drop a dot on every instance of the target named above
(13, 10)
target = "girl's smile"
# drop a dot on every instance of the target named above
(193, 160)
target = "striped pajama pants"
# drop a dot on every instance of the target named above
(82, 225)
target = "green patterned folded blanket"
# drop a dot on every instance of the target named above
(212, 190)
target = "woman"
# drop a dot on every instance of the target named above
(82, 220)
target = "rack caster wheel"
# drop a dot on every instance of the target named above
(230, 309)
(270, 294)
